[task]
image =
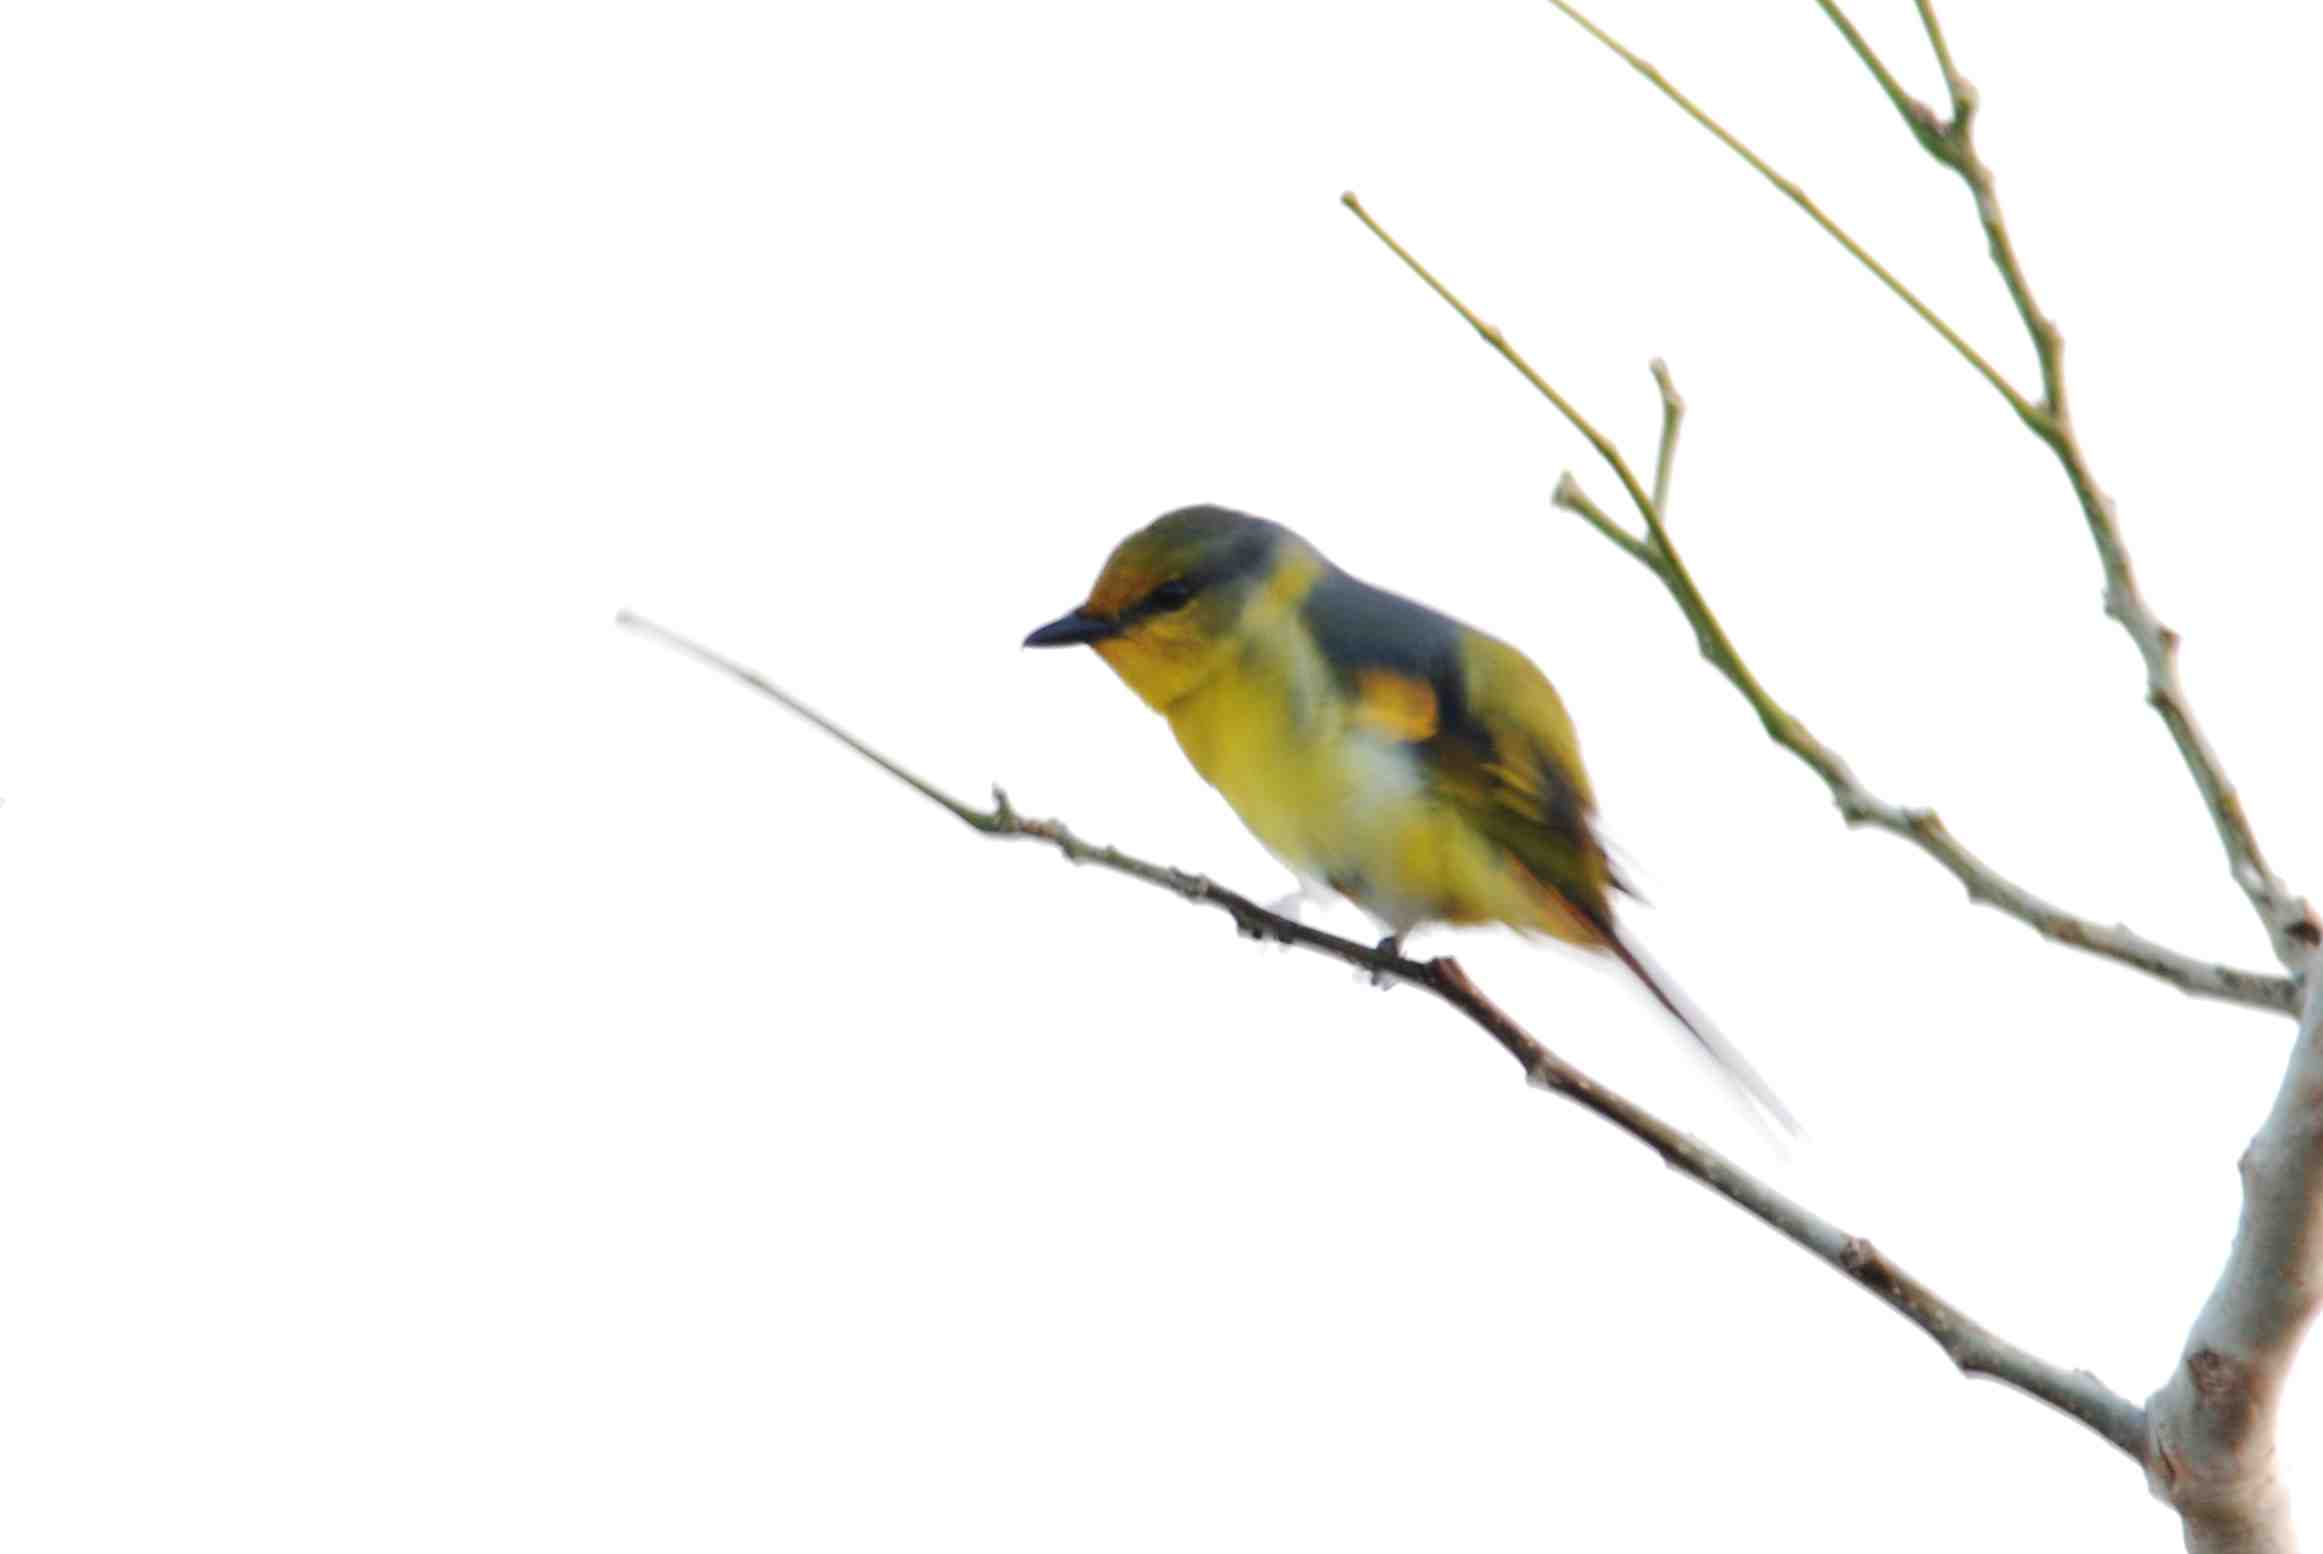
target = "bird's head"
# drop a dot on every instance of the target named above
(1174, 600)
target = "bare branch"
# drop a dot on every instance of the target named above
(2211, 1454)
(1923, 119)
(1492, 337)
(2291, 924)
(1800, 198)
(1952, 142)
(1573, 499)
(1963, 96)
(1975, 1349)
(1658, 553)
(2213, 1451)
(1666, 453)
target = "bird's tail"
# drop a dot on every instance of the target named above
(1733, 1067)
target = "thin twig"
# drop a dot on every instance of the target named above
(1923, 120)
(1492, 337)
(1951, 142)
(1815, 212)
(2291, 924)
(1963, 98)
(1581, 504)
(1975, 1349)
(1858, 805)
(1666, 452)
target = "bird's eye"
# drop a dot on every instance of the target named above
(1172, 595)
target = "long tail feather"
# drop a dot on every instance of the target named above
(1732, 1065)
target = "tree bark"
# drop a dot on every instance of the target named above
(2212, 1448)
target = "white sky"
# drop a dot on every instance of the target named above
(472, 1080)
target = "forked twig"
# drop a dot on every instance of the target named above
(2291, 925)
(2211, 1454)
(1658, 553)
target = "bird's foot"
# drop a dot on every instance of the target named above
(1391, 945)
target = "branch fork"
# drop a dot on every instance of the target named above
(2205, 1440)
(2207, 1437)
(1657, 551)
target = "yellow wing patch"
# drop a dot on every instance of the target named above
(1395, 705)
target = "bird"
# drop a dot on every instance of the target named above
(1421, 768)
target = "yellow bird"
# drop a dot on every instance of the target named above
(1420, 768)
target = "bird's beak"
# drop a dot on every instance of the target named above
(1073, 627)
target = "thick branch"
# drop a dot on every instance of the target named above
(2212, 1455)
(1659, 554)
(1975, 1349)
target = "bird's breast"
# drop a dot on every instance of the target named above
(1339, 796)
(1332, 800)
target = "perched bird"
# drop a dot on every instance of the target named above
(1420, 768)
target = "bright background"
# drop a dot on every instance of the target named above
(471, 1079)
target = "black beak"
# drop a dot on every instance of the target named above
(1075, 627)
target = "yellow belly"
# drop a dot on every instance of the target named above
(1345, 805)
